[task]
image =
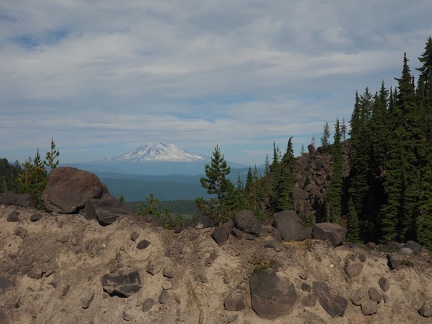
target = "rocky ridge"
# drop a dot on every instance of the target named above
(71, 268)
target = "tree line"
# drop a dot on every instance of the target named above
(387, 195)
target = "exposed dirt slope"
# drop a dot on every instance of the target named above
(56, 265)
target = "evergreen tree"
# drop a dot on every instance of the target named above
(353, 234)
(217, 183)
(402, 178)
(360, 172)
(334, 199)
(286, 180)
(325, 138)
(52, 155)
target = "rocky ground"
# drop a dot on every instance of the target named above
(58, 268)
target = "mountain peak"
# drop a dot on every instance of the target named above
(159, 152)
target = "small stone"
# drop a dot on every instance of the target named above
(168, 272)
(362, 258)
(369, 307)
(134, 236)
(375, 295)
(148, 304)
(384, 284)
(386, 298)
(354, 269)
(303, 275)
(167, 285)
(143, 244)
(86, 300)
(13, 217)
(235, 302)
(306, 287)
(163, 297)
(65, 290)
(35, 217)
(357, 299)
(309, 301)
(35, 273)
(426, 310)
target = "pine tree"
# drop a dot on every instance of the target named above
(217, 183)
(334, 199)
(353, 234)
(325, 138)
(52, 155)
(286, 180)
(402, 178)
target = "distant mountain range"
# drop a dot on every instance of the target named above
(167, 171)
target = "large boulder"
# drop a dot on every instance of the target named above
(12, 198)
(271, 296)
(247, 222)
(106, 210)
(290, 226)
(329, 231)
(69, 189)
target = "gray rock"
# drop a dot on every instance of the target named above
(134, 236)
(329, 231)
(35, 273)
(334, 305)
(12, 198)
(205, 222)
(384, 284)
(65, 290)
(357, 299)
(426, 310)
(306, 287)
(247, 222)
(290, 226)
(235, 302)
(393, 262)
(163, 297)
(353, 269)
(123, 285)
(35, 217)
(309, 301)
(13, 217)
(148, 304)
(406, 250)
(375, 295)
(86, 299)
(221, 234)
(143, 244)
(369, 307)
(271, 296)
(414, 246)
(168, 272)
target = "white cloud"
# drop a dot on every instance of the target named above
(194, 73)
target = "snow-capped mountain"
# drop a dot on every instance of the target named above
(159, 152)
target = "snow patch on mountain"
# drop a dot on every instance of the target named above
(159, 152)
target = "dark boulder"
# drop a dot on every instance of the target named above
(69, 189)
(247, 222)
(271, 296)
(290, 226)
(414, 246)
(105, 210)
(121, 285)
(12, 198)
(205, 221)
(35, 217)
(13, 217)
(221, 234)
(329, 231)
(334, 305)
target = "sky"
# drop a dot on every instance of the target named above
(102, 77)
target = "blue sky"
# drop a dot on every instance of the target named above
(103, 77)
